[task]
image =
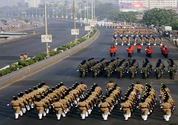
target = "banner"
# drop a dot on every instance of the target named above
(125, 5)
(74, 31)
(87, 28)
(137, 5)
(46, 38)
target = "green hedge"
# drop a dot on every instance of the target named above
(42, 56)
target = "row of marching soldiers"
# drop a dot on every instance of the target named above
(42, 98)
(167, 104)
(89, 101)
(132, 98)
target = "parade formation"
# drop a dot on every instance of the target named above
(61, 99)
(123, 67)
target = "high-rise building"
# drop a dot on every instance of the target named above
(33, 3)
(162, 3)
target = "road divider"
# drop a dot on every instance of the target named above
(27, 67)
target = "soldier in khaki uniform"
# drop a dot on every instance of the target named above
(110, 85)
(39, 108)
(139, 89)
(105, 107)
(83, 106)
(144, 107)
(58, 108)
(126, 107)
(16, 107)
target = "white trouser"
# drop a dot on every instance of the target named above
(40, 116)
(16, 115)
(63, 114)
(86, 114)
(83, 116)
(126, 117)
(21, 113)
(105, 117)
(28, 107)
(58, 116)
(44, 113)
(144, 117)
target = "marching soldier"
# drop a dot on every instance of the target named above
(139, 89)
(139, 47)
(83, 106)
(58, 107)
(129, 51)
(105, 107)
(40, 108)
(165, 52)
(16, 106)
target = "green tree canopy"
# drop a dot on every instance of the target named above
(123, 16)
(160, 17)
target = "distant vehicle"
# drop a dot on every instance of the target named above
(35, 25)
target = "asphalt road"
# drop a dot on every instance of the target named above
(61, 30)
(66, 71)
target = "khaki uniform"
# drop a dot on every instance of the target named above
(40, 107)
(16, 106)
(58, 107)
(105, 108)
(139, 88)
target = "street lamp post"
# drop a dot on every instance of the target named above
(87, 19)
(75, 36)
(46, 28)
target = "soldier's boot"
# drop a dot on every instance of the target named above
(63, 114)
(28, 107)
(86, 114)
(21, 113)
(167, 118)
(32, 106)
(16, 115)
(83, 116)
(144, 117)
(126, 117)
(58, 116)
(47, 111)
(40, 116)
(89, 111)
(24, 110)
(44, 113)
(105, 117)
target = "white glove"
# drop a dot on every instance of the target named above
(120, 108)
(7, 104)
(137, 107)
(77, 70)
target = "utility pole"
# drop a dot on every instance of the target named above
(94, 9)
(87, 20)
(75, 36)
(92, 2)
(46, 29)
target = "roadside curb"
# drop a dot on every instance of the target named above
(16, 39)
(39, 66)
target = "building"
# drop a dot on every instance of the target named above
(33, 3)
(10, 3)
(162, 3)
